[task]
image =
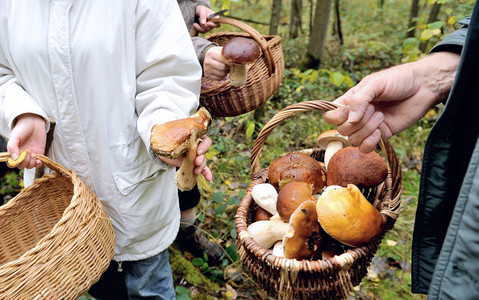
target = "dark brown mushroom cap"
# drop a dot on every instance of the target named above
(304, 240)
(351, 166)
(297, 167)
(240, 50)
(291, 196)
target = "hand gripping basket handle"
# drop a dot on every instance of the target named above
(258, 37)
(5, 156)
(390, 208)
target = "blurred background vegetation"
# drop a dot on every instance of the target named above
(329, 45)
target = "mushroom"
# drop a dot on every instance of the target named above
(238, 52)
(297, 167)
(266, 233)
(348, 217)
(291, 196)
(261, 214)
(351, 166)
(303, 240)
(278, 249)
(181, 137)
(266, 196)
(332, 141)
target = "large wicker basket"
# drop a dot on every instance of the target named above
(308, 279)
(264, 75)
(55, 238)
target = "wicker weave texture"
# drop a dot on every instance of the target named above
(264, 75)
(55, 239)
(312, 279)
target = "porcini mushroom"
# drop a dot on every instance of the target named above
(181, 137)
(332, 142)
(303, 239)
(266, 196)
(266, 233)
(348, 217)
(238, 52)
(278, 249)
(297, 167)
(291, 196)
(351, 166)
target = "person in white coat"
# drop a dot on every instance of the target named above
(105, 72)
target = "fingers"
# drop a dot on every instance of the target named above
(199, 28)
(202, 15)
(370, 143)
(349, 128)
(204, 145)
(200, 162)
(368, 129)
(207, 174)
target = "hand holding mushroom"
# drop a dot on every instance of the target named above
(182, 143)
(238, 53)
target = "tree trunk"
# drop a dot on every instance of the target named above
(339, 30)
(381, 4)
(311, 15)
(414, 13)
(317, 37)
(433, 17)
(296, 20)
(275, 17)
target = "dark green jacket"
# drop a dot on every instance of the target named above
(446, 233)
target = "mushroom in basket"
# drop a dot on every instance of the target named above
(351, 166)
(297, 167)
(348, 217)
(291, 196)
(239, 52)
(181, 137)
(332, 141)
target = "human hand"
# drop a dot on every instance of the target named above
(202, 13)
(200, 160)
(214, 64)
(29, 133)
(389, 101)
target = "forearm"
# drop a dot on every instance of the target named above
(436, 73)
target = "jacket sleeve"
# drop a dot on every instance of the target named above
(201, 46)
(167, 71)
(14, 100)
(455, 41)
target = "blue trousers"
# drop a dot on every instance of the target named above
(149, 278)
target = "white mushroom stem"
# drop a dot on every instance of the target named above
(238, 74)
(266, 233)
(278, 249)
(331, 149)
(266, 196)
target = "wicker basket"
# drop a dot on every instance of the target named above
(308, 279)
(264, 75)
(55, 239)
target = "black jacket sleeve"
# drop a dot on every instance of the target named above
(454, 42)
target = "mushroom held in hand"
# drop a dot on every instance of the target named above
(303, 241)
(291, 196)
(174, 139)
(266, 196)
(266, 233)
(332, 142)
(297, 167)
(351, 166)
(239, 52)
(347, 216)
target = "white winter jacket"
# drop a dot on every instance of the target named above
(105, 72)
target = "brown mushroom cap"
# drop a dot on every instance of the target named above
(261, 214)
(331, 136)
(304, 239)
(347, 216)
(172, 139)
(291, 196)
(351, 166)
(297, 167)
(240, 50)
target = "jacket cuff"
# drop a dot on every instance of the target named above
(204, 3)
(202, 53)
(455, 41)
(18, 102)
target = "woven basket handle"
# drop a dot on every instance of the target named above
(258, 37)
(323, 106)
(5, 157)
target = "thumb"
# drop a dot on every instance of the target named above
(13, 146)
(361, 96)
(202, 16)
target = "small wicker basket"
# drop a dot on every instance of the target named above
(312, 279)
(55, 238)
(264, 75)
